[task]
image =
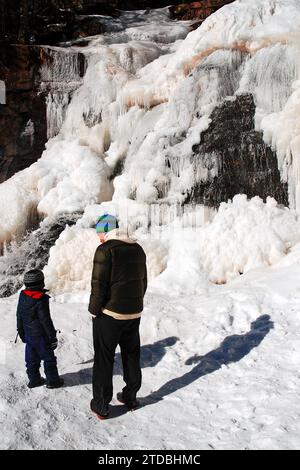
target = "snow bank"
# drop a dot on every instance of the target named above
(187, 252)
(247, 234)
(242, 236)
(18, 204)
(70, 263)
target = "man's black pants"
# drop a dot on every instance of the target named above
(107, 334)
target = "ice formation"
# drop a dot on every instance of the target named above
(186, 250)
(134, 103)
(245, 235)
(68, 177)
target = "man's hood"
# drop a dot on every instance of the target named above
(117, 234)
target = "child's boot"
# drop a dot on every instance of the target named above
(34, 376)
(52, 377)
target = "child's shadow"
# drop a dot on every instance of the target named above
(151, 354)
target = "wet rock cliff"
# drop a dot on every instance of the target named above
(236, 157)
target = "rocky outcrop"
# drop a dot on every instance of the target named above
(50, 21)
(196, 10)
(236, 157)
(53, 21)
(32, 252)
(23, 117)
(28, 73)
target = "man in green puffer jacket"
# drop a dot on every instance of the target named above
(119, 282)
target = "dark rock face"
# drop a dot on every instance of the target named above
(23, 117)
(196, 10)
(232, 149)
(52, 21)
(36, 21)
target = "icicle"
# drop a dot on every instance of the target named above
(29, 131)
(61, 75)
(269, 76)
(63, 66)
(57, 103)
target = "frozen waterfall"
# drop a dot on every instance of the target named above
(126, 111)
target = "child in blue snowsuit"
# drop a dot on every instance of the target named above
(35, 328)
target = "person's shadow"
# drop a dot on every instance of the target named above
(232, 349)
(151, 354)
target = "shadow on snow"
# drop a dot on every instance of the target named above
(151, 354)
(232, 349)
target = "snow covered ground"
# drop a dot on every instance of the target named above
(220, 362)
